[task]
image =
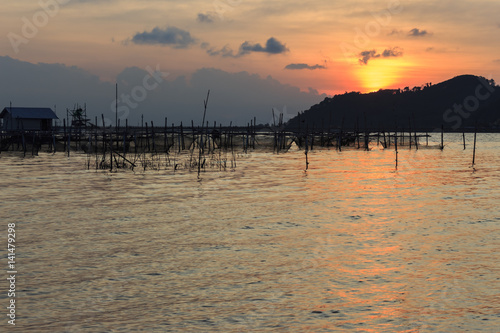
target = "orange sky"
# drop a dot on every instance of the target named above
(409, 42)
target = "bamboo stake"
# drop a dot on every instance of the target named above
(307, 148)
(205, 103)
(165, 136)
(442, 137)
(396, 147)
(409, 132)
(103, 136)
(69, 140)
(54, 142)
(64, 137)
(474, 149)
(147, 137)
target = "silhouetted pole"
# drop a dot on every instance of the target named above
(442, 137)
(396, 147)
(474, 149)
(205, 103)
(307, 148)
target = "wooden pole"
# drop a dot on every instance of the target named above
(64, 138)
(205, 103)
(69, 140)
(147, 137)
(103, 136)
(474, 149)
(53, 142)
(111, 150)
(307, 148)
(416, 140)
(409, 132)
(396, 147)
(442, 137)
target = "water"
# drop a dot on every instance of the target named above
(351, 245)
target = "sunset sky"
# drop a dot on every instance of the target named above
(327, 46)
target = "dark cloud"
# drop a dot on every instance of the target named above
(371, 54)
(304, 66)
(205, 18)
(417, 33)
(171, 36)
(394, 52)
(367, 55)
(273, 46)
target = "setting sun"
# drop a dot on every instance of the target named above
(379, 74)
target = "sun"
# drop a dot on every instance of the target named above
(379, 74)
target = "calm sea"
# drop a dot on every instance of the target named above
(351, 245)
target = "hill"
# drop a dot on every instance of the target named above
(457, 104)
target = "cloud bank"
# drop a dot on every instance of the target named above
(151, 92)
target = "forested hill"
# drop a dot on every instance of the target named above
(457, 104)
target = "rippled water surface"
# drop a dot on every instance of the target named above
(351, 245)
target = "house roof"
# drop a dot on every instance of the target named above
(29, 113)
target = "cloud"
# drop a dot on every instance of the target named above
(394, 52)
(273, 46)
(304, 66)
(417, 33)
(205, 18)
(433, 49)
(371, 54)
(171, 36)
(367, 55)
(394, 32)
(226, 51)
